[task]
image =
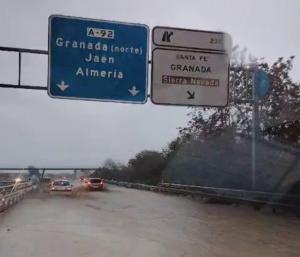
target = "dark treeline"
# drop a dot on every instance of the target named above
(214, 148)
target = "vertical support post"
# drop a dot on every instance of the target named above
(20, 64)
(233, 86)
(254, 130)
(43, 173)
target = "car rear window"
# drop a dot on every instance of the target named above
(95, 180)
(61, 183)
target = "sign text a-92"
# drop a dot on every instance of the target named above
(97, 60)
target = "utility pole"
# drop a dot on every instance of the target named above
(254, 129)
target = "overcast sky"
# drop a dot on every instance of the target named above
(37, 130)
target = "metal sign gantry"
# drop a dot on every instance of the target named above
(21, 51)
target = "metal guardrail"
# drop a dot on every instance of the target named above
(233, 195)
(12, 193)
(243, 194)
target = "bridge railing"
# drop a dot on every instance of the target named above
(11, 193)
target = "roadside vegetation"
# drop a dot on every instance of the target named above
(214, 148)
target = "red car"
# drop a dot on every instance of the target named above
(94, 183)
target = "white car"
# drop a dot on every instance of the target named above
(61, 185)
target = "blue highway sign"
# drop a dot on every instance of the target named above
(97, 60)
(262, 83)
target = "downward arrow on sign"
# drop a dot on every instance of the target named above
(62, 86)
(133, 91)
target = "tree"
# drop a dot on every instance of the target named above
(215, 144)
(171, 148)
(111, 170)
(146, 167)
(34, 175)
(110, 164)
(281, 104)
(33, 171)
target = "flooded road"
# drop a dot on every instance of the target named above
(126, 222)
